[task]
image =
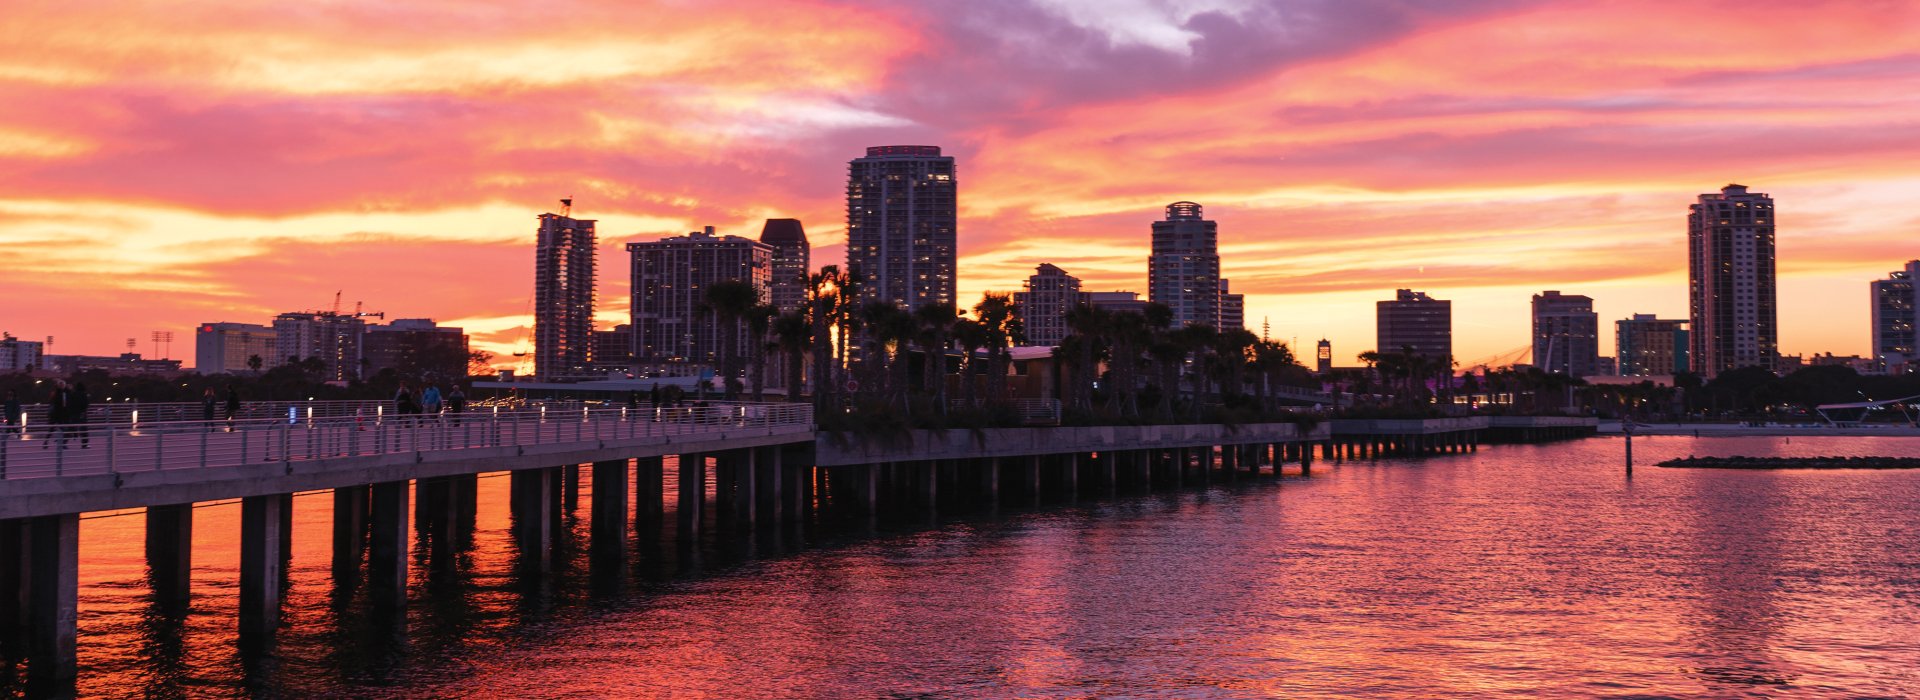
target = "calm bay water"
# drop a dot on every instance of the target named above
(1517, 571)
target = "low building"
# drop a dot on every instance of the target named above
(124, 364)
(613, 350)
(1049, 294)
(1416, 322)
(18, 355)
(231, 348)
(1647, 345)
(1115, 302)
(416, 348)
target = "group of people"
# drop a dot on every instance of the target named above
(210, 404)
(428, 400)
(67, 406)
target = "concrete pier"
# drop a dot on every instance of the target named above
(693, 495)
(608, 547)
(531, 500)
(350, 505)
(649, 493)
(262, 563)
(387, 545)
(170, 554)
(769, 482)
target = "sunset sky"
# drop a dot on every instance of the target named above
(165, 164)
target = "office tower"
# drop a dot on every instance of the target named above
(1607, 367)
(671, 323)
(1050, 293)
(1233, 309)
(613, 349)
(416, 349)
(334, 339)
(228, 348)
(902, 225)
(1730, 245)
(563, 279)
(792, 262)
(1893, 304)
(1115, 302)
(18, 355)
(1566, 334)
(1413, 320)
(1183, 271)
(1323, 356)
(1648, 346)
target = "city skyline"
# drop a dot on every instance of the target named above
(1550, 161)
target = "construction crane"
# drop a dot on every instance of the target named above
(357, 313)
(336, 301)
(1500, 360)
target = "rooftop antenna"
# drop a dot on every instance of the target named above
(566, 207)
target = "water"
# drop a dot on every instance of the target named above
(1516, 571)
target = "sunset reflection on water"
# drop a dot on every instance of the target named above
(1536, 571)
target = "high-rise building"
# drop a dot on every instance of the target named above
(1893, 319)
(1183, 272)
(1730, 262)
(332, 338)
(1413, 320)
(416, 348)
(902, 225)
(563, 279)
(1323, 356)
(18, 355)
(1566, 334)
(229, 348)
(670, 280)
(1115, 302)
(1233, 309)
(792, 262)
(1646, 346)
(1050, 293)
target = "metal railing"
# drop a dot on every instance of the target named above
(41, 451)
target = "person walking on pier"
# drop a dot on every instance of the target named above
(430, 400)
(456, 402)
(208, 404)
(57, 405)
(233, 405)
(15, 419)
(403, 405)
(77, 406)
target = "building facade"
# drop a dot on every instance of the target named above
(1648, 346)
(18, 355)
(1183, 271)
(229, 348)
(1049, 294)
(1414, 321)
(1893, 304)
(1566, 334)
(416, 348)
(1323, 357)
(1233, 310)
(332, 338)
(1730, 262)
(129, 364)
(563, 296)
(670, 280)
(792, 262)
(1115, 302)
(902, 225)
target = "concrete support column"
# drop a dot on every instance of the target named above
(726, 475)
(649, 493)
(43, 585)
(1070, 474)
(608, 548)
(387, 545)
(769, 482)
(746, 486)
(1030, 479)
(1230, 461)
(531, 503)
(349, 531)
(693, 495)
(1108, 467)
(261, 564)
(434, 515)
(927, 491)
(170, 554)
(570, 488)
(989, 480)
(866, 486)
(465, 502)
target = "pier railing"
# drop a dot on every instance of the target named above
(42, 451)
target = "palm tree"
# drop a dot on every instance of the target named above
(730, 302)
(1196, 342)
(1089, 328)
(936, 328)
(1128, 335)
(971, 335)
(793, 334)
(759, 322)
(1001, 318)
(822, 303)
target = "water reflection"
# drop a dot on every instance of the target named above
(1518, 571)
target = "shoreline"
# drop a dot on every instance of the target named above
(1779, 463)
